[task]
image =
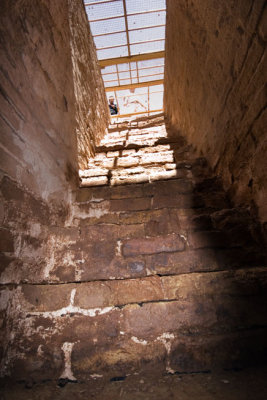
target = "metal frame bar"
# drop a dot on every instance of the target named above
(127, 59)
(148, 100)
(125, 79)
(134, 85)
(126, 27)
(123, 45)
(135, 113)
(132, 95)
(136, 69)
(94, 3)
(129, 30)
(128, 15)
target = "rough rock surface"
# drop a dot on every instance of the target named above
(215, 91)
(92, 112)
(159, 273)
(164, 273)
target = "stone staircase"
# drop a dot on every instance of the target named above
(135, 152)
(156, 268)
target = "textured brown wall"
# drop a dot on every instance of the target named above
(41, 92)
(38, 142)
(215, 88)
(92, 113)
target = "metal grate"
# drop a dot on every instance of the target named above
(129, 34)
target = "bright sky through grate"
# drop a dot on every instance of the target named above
(123, 28)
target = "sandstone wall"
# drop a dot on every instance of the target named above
(41, 92)
(215, 89)
(92, 112)
(139, 278)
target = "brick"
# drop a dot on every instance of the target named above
(100, 156)
(128, 171)
(130, 152)
(113, 154)
(162, 223)
(140, 203)
(93, 172)
(177, 201)
(170, 166)
(166, 157)
(154, 149)
(126, 192)
(177, 186)
(183, 262)
(153, 245)
(129, 179)
(127, 161)
(45, 297)
(137, 217)
(94, 181)
(87, 194)
(114, 293)
(163, 175)
(131, 231)
(108, 163)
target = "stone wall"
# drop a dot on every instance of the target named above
(138, 278)
(92, 113)
(41, 94)
(215, 89)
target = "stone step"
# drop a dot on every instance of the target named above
(185, 322)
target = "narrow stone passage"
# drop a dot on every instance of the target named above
(133, 255)
(135, 152)
(162, 270)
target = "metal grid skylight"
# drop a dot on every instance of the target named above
(129, 26)
(134, 30)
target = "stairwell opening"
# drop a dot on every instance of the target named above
(152, 273)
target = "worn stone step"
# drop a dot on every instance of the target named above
(196, 318)
(100, 294)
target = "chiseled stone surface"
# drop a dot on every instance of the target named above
(92, 112)
(164, 272)
(135, 155)
(173, 318)
(219, 101)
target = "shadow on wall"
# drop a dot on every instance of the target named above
(221, 238)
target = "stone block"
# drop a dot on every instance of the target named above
(115, 293)
(157, 158)
(152, 245)
(169, 166)
(128, 171)
(127, 161)
(155, 149)
(184, 262)
(126, 153)
(113, 154)
(94, 181)
(139, 203)
(176, 201)
(126, 192)
(162, 223)
(131, 231)
(108, 163)
(129, 179)
(157, 175)
(42, 298)
(87, 173)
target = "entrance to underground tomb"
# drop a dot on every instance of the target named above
(154, 263)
